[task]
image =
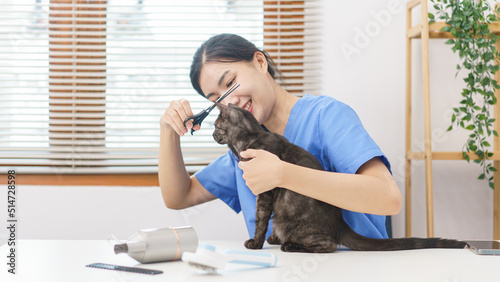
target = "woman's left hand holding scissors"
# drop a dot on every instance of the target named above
(174, 116)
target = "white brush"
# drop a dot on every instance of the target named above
(208, 259)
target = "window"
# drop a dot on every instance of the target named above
(84, 83)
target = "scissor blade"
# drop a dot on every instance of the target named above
(229, 91)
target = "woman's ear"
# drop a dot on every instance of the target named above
(260, 61)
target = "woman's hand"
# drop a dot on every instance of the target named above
(174, 116)
(263, 172)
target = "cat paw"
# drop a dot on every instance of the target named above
(291, 247)
(253, 245)
(273, 240)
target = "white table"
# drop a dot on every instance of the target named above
(65, 260)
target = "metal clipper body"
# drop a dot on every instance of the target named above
(160, 244)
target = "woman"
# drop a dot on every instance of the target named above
(357, 174)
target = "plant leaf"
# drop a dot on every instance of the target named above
(450, 41)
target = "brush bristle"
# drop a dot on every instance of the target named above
(203, 267)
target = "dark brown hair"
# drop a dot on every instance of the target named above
(226, 48)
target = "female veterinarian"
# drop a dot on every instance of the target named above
(357, 174)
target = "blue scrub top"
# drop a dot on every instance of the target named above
(328, 129)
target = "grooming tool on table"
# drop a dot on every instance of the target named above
(161, 244)
(208, 259)
(124, 268)
(198, 118)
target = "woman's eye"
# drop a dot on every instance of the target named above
(231, 82)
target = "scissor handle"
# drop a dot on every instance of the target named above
(199, 117)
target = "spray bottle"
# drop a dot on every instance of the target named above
(160, 244)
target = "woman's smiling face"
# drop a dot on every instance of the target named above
(254, 93)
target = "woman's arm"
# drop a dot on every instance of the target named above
(178, 189)
(371, 190)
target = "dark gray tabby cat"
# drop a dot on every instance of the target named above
(300, 223)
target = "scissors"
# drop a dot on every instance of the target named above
(198, 118)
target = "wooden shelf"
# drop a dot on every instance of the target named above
(436, 33)
(425, 31)
(412, 155)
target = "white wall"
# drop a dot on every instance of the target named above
(96, 212)
(371, 80)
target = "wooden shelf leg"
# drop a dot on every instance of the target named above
(408, 127)
(427, 119)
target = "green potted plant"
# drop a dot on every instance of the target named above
(469, 21)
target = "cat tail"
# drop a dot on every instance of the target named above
(354, 241)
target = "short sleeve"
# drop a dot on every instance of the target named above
(347, 143)
(219, 178)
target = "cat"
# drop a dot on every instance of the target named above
(300, 223)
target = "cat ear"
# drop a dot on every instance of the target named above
(245, 117)
(222, 108)
(234, 112)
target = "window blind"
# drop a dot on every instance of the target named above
(292, 38)
(84, 83)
